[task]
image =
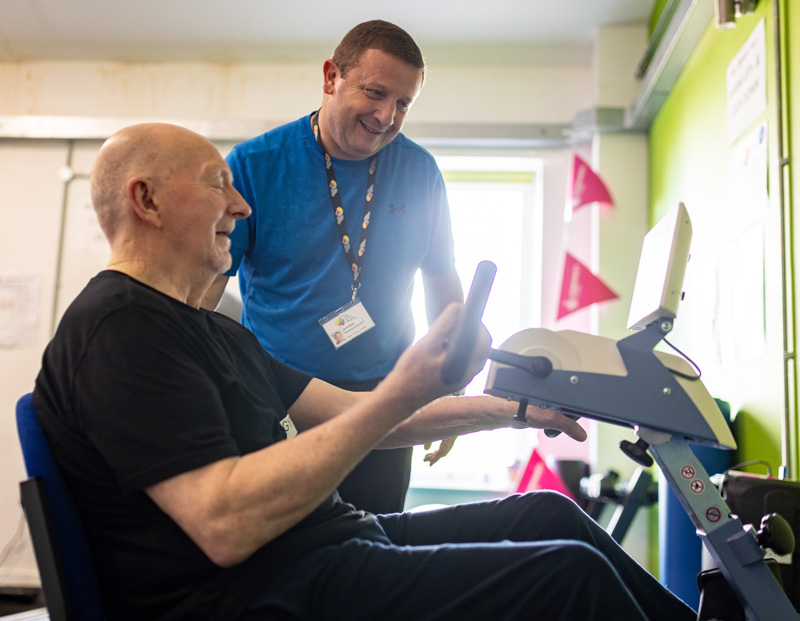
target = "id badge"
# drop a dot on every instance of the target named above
(346, 323)
(288, 427)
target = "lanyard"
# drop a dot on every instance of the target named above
(355, 260)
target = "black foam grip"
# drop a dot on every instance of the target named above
(466, 332)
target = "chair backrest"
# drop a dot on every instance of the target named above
(69, 579)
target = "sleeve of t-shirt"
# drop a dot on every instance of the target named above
(441, 257)
(242, 236)
(290, 382)
(156, 413)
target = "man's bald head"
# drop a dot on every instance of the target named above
(154, 151)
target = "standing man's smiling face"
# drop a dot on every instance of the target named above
(364, 110)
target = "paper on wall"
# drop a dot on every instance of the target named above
(19, 308)
(746, 81)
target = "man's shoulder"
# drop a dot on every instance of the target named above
(406, 152)
(106, 292)
(401, 141)
(112, 293)
(404, 144)
(98, 316)
(274, 139)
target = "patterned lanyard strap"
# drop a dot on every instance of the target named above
(355, 260)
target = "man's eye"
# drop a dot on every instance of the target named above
(375, 94)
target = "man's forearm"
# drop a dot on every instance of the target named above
(233, 507)
(448, 417)
(455, 416)
(440, 291)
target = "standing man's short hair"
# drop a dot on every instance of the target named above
(378, 35)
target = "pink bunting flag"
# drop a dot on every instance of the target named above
(586, 186)
(580, 288)
(538, 476)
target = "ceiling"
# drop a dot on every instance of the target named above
(558, 32)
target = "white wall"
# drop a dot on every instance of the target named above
(31, 194)
(280, 92)
(29, 244)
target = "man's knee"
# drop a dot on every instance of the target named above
(557, 515)
(556, 501)
(543, 500)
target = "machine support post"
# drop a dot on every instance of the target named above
(732, 545)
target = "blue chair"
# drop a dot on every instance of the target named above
(69, 579)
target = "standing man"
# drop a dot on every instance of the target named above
(345, 211)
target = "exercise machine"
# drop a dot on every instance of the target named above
(657, 394)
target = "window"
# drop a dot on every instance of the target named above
(496, 212)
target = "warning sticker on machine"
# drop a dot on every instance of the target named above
(697, 486)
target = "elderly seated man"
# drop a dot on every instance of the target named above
(205, 472)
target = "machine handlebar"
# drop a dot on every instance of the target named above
(466, 332)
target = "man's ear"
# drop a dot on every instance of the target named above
(330, 72)
(141, 196)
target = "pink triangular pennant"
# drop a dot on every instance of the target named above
(538, 476)
(587, 187)
(580, 288)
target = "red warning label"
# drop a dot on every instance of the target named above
(697, 486)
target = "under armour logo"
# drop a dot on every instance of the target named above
(392, 208)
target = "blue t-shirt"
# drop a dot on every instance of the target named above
(292, 268)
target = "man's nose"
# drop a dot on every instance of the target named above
(385, 113)
(239, 208)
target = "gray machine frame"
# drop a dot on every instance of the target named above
(667, 408)
(667, 423)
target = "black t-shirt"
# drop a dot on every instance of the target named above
(137, 387)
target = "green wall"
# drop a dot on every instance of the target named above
(688, 161)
